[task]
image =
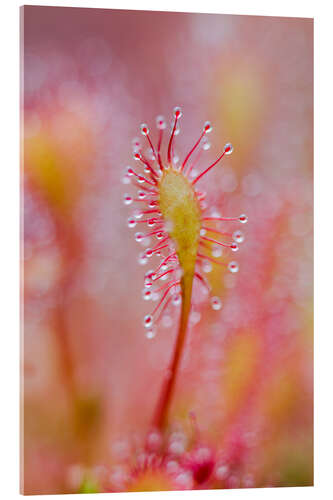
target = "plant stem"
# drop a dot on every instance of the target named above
(162, 409)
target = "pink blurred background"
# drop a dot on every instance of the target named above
(91, 377)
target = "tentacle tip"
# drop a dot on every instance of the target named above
(160, 122)
(207, 128)
(148, 321)
(228, 148)
(243, 218)
(177, 112)
(144, 129)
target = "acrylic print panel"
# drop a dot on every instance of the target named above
(181, 360)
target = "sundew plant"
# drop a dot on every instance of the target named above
(178, 219)
(167, 339)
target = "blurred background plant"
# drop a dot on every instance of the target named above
(90, 78)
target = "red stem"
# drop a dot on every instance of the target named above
(162, 409)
